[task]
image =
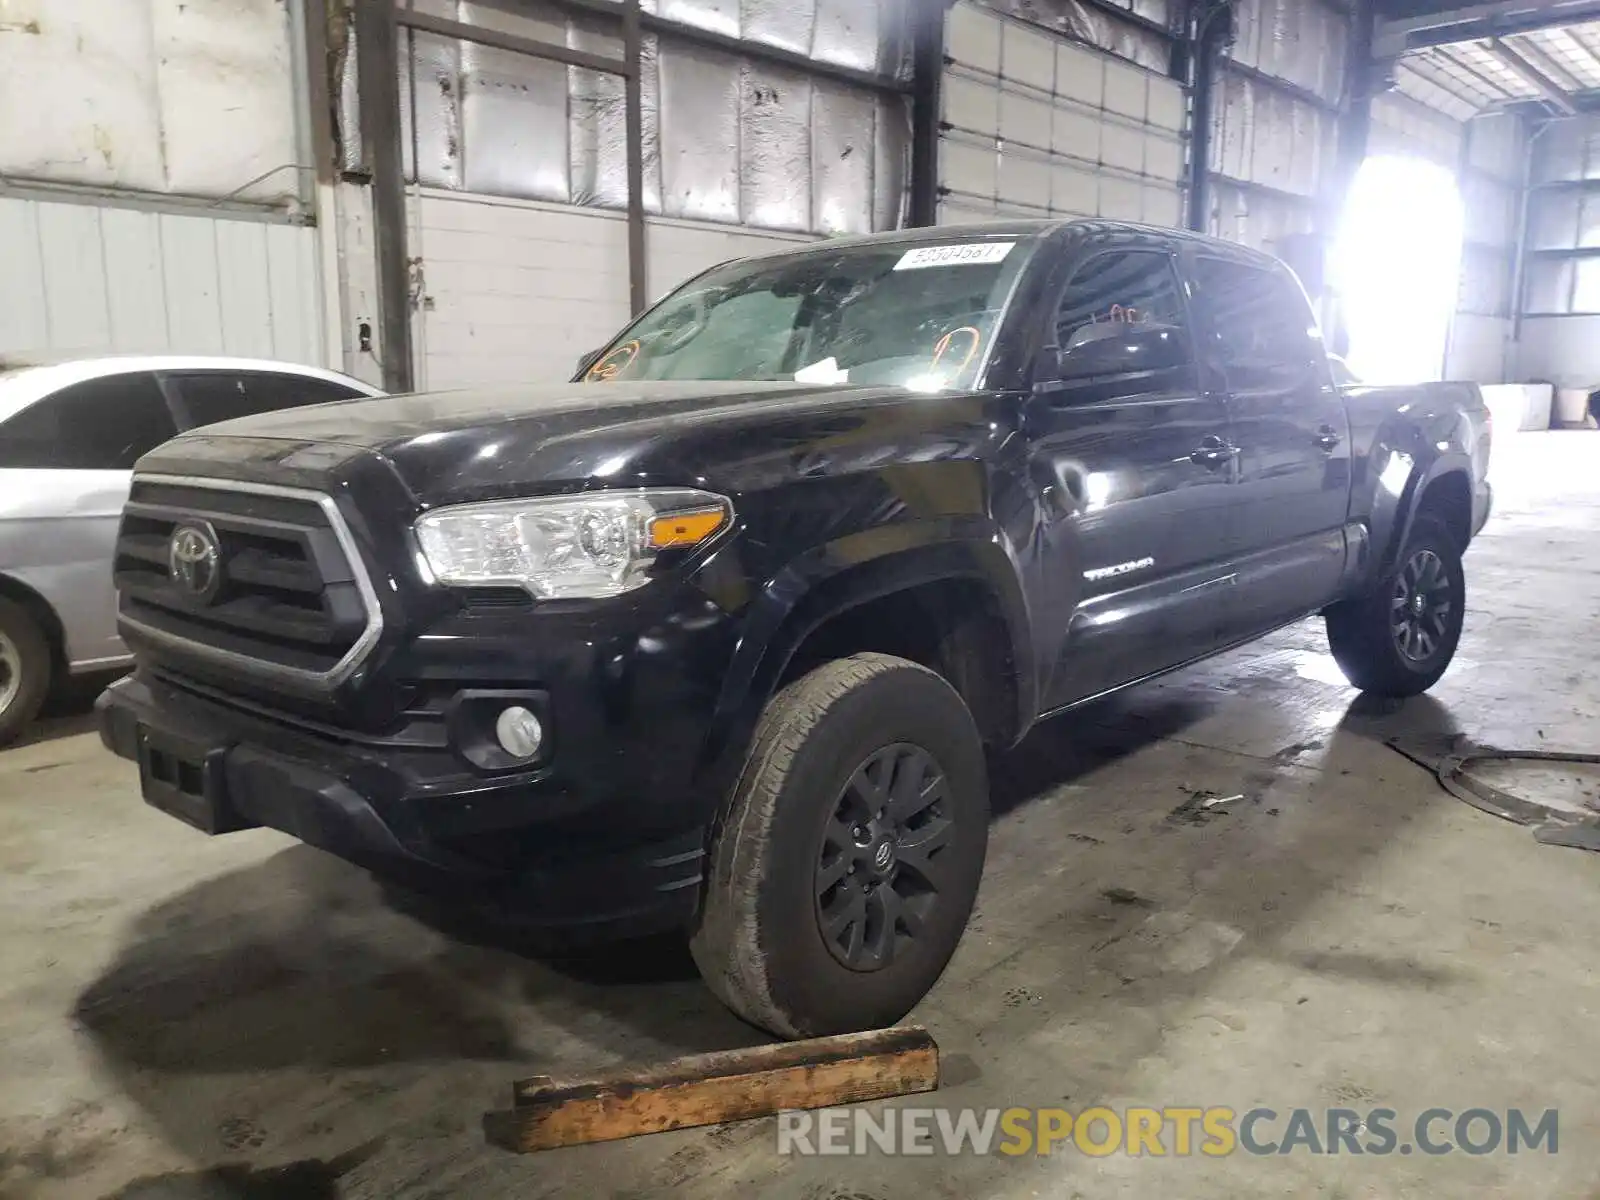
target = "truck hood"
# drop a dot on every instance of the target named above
(454, 445)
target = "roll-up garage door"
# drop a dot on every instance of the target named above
(1037, 125)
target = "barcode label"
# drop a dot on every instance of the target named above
(955, 255)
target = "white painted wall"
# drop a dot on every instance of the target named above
(95, 278)
(1477, 348)
(187, 97)
(1564, 351)
(514, 290)
(1043, 126)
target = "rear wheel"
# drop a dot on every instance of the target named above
(846, 866)
(1399, 638)
(24, 669)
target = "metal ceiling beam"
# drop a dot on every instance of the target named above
(484, 36)
(1546, 63)
(1495, 89)
(1424, 68)
(1531, 75)
(1390, 39)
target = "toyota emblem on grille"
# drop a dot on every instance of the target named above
(194, 559)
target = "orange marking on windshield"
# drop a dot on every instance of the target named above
(614, 363)
(974, 339)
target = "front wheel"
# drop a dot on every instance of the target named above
(846, 865)
(25, 669)
(1398, 639)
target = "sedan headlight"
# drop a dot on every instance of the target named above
(596, 544)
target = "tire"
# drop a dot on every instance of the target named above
(1380, 641)
(780, 865)
(25, 668)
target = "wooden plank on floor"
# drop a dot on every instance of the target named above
(709, 1089)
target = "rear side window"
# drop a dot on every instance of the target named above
(99, 425)
(1127, 286)
(212, 396)
(1262, 327)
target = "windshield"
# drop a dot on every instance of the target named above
(915, 314)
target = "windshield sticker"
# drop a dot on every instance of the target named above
(826, 371)
(613, 364)
(958, 343)
(956, 255)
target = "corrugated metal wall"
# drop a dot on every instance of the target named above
(726, 139)
(1563, 273)
(1274, 142)
(1036, 124)
(136, 105)
(168, 97)
(518, 166)
(88, 277)
(1560, 335)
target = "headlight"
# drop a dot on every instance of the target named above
(597, 544)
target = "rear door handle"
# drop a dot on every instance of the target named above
(1327, 437)
(1213, 453)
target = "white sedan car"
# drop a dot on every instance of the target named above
(70, 432)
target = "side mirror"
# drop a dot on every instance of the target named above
(585, 361)
(1117, 348)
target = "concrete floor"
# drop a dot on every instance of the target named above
(245, 1017)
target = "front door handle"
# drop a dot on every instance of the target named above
(1213, 453)
(1327, 438)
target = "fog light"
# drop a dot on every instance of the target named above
(518, 732)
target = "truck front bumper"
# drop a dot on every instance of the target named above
(417, 816)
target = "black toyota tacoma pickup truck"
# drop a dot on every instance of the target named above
(715, 636)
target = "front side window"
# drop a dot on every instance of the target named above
(98, 425)
(917, 314)
(1116, 289)
(1261, 324)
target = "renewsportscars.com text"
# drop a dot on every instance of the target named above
(1160, 1132)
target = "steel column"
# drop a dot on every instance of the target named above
(1213, 25)
(632, 42)
(927, 73)
(378, 53)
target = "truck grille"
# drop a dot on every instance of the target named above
(264, 579)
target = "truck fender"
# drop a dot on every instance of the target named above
(841, 575)
(1394, 513)
(1400, 467)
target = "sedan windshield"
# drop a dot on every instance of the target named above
(917, 314)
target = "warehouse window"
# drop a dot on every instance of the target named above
(98, 425)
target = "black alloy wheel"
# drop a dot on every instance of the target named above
(1420, 606)
(1398, 638)
(878, 876)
